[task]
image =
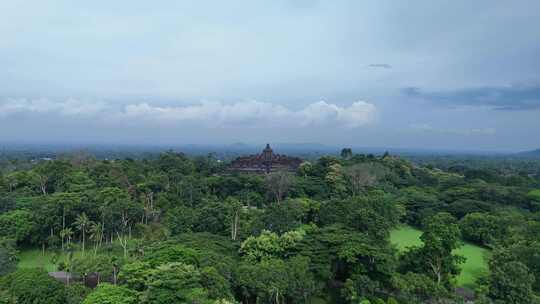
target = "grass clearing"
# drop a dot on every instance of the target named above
(475, 265)
(36, 258)
(471, 270)
(535, 195)
(405, 236)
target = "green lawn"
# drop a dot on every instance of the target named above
(475, 265)
(34, 258)
(405, 236)
(535, 195)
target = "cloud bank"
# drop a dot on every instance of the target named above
(252, 113)
(498, 98)
(427, 128)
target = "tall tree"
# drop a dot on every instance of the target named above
(363, 175)
(175, 283)
(510, 283)
(66, 202)
(234, 208)
(96, 234)
(435, 258)
(82, 222)
(346, 153)
(278, 183)
(65, 235)
(107, 294)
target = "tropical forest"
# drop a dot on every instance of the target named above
(345, 228)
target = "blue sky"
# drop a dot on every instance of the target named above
(416, 74)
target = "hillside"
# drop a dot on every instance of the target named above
(533, 153)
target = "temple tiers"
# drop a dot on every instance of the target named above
(265, 162)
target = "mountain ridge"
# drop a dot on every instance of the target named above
(530, 153)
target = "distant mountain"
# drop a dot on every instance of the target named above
(306, 150)
(533, 153)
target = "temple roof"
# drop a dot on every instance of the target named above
(265, 162)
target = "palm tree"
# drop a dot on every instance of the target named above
(96, 234)
(66, 233)
(82, 222)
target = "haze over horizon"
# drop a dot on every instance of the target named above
(455, 75)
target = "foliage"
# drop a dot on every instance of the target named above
(374, 214)
(182, 219)
(32, 286)
(175, 283)
(16, 224)
(278, 184)
(363, 175)
(135, 275)
(419, 287)
(76, 293)
(265, 280)
(472, 270)
(101, 265)
(8, 256)
(269, 244)
(282, 217)
(510, 283)
(168, 252)
(435, 258)
(484, 229)
(217, 286)
(523, 252)
(157, 224)
(108, 294)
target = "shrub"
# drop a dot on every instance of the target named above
(33, 286)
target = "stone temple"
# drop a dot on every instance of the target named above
(265, 162)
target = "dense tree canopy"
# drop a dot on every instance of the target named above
(32, 286)
(179, 229)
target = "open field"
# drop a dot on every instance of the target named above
(35, 258)
(535, 194)
(405, 236)
(473, 268)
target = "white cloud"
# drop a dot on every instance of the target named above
(252, 113)
(255, 112)
(69, 107)
(357, 114)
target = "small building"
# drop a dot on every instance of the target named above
(91, 280)
(265, 162)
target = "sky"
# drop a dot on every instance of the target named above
(460, 74)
